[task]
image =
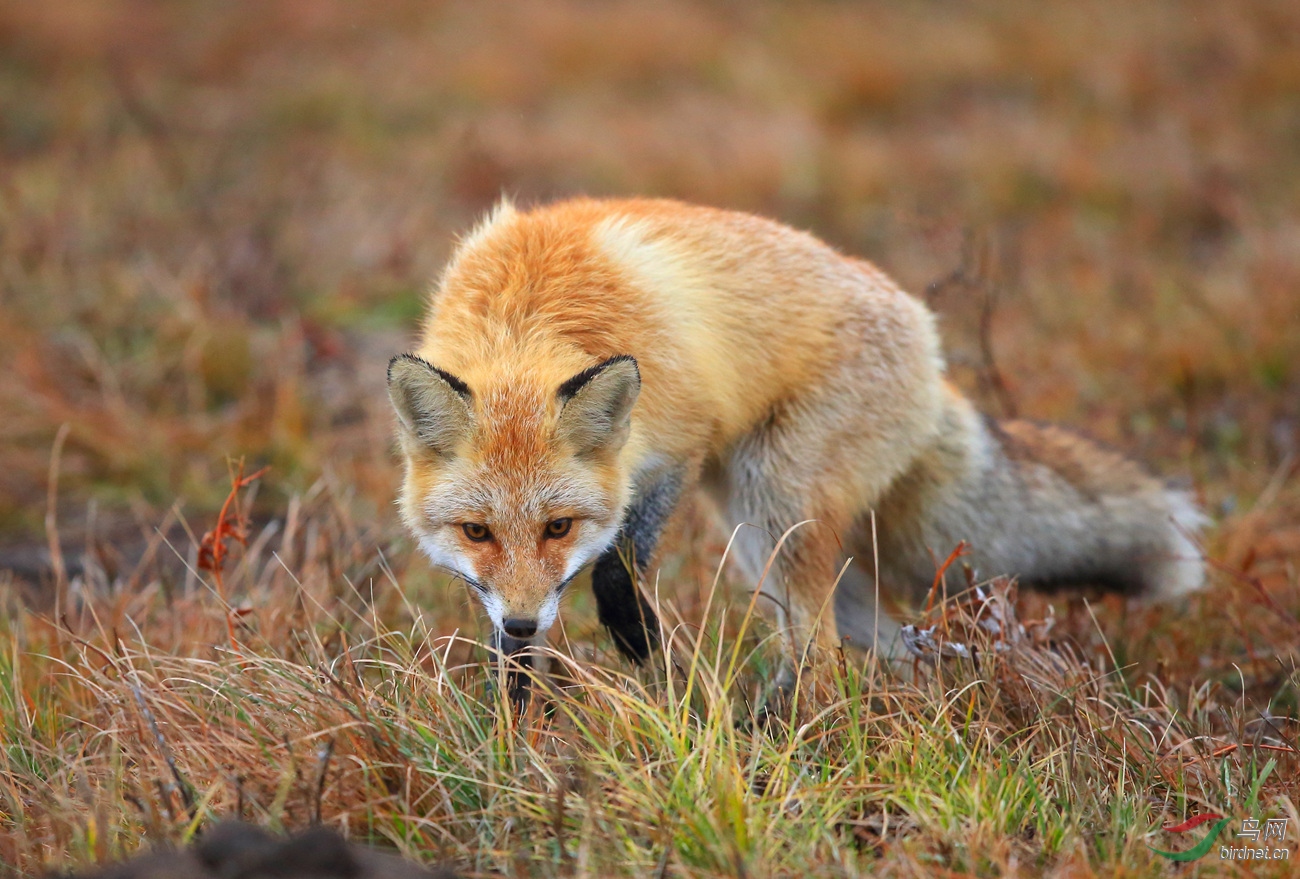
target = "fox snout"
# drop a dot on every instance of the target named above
(521, 623)
(522, 629)
(515, 635)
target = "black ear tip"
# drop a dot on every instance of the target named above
(393, 362)
(625, 358)
(456, 384)
(407, 358)
(575, 384)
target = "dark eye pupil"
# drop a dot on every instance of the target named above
(475, 531)
(558, 527)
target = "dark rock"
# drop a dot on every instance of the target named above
(235, 850)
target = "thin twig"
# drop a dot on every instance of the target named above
(325, 755)
(187, 795)
(52, 524)
(992, 373)
(975, 273)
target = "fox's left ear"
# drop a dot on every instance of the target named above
(597, 413)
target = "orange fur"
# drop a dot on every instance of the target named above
(795, 382)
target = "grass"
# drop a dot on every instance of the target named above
(215, 227)
(320, 696)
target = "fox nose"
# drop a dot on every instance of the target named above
(519, 628)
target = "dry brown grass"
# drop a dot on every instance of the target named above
(215, 224)
(140, 719)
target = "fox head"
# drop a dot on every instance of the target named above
(514, 486)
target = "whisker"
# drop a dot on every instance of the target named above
(458, 575)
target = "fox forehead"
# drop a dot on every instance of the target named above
(487, 495)
(514, 424)
(509, 474)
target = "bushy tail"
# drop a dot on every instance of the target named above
(1040, 503)
(1094, 515)
(1183, 570)
(1032, 501)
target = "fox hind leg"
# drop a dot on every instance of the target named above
(800, 576)
(861, 621)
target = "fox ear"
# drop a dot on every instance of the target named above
(597, 403)
(432, 406)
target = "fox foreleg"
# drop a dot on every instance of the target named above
(623, 610)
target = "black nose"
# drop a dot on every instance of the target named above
(520, 628)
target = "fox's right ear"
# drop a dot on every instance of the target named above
(432, 405)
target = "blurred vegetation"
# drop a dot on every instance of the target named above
(217, 222)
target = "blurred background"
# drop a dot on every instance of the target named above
(219, 221)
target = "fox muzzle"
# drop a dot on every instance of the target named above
(510, 644)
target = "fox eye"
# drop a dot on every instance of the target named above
(557, 528)
(476, 532)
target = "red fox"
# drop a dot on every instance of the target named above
(584, 364)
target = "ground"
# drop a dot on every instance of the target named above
(217, 222)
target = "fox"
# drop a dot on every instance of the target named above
(585, 364)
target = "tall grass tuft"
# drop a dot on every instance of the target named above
(139, 719)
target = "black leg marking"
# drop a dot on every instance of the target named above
(622, 608)
(518, 665)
